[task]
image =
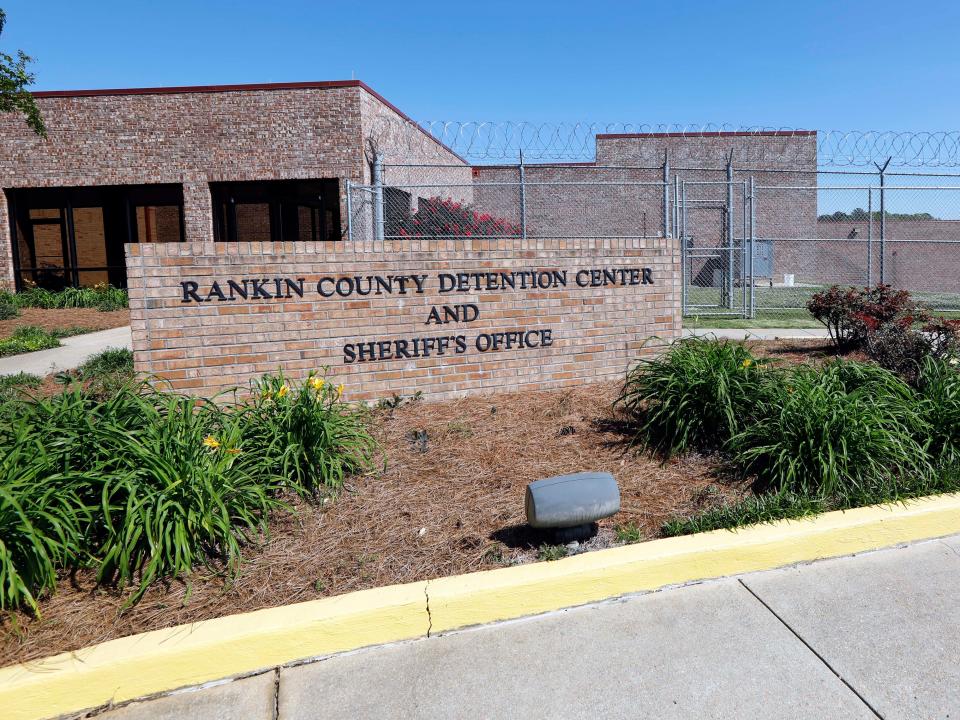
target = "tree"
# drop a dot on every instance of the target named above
(14, 79)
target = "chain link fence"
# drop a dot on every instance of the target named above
(761, 222)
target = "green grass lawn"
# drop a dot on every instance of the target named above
(783, 307)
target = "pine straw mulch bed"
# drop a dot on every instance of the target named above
(90, 319)
(449, 501)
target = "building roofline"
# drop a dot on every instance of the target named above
(183, 89)
(186, 89)
(718, 133)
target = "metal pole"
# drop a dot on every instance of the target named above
(378, 228)
(728, 282)
(523, 199)
(683, 248)
(350, 210)
(883, 220)
(869, 237)
(666, 195)
(743, 250)
(753, 236)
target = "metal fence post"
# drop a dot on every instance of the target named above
(378, 215)
(350, 210)
(869, 236)
(753, 237)
(883, 220)
(728, 280)
(523, 199)
(666, 195)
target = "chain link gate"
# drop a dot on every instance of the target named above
(714, 221)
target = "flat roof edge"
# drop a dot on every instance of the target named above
(715, 133)
(184, 89)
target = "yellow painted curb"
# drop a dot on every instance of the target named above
(171, 658)
(484, 597)
(187, 655)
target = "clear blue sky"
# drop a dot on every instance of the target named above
(809, 64)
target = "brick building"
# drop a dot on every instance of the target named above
(226, 163)
(271, 162)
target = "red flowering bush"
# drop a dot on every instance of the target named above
(437, 217)
(888, 325)
(852, 314)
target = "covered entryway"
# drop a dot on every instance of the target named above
(74, 236)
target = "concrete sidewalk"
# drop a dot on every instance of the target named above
(759, 333)
(73, 352)
(868, 636)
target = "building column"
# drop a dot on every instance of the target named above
(197, 212)
(7, 281)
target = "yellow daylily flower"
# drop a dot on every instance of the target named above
(316, 382)
(282, 392)
(211, 442)
(747, 363)
(233, 451)
(339, 390)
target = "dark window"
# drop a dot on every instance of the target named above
(276, 210)
(75, 236)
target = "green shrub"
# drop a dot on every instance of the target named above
(849, 429)
(175, 494)
(42, 520)
(106, 372)
(28, 338)
(938, 386)
(16, 386)
(695, 396)
(749, 511)
(159, 482)
(103, 297)
(8, 311)
(305, 434)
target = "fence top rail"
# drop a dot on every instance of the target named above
(442, 184)
(739, 169)
(856, 187)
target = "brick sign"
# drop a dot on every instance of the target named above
(209, 316)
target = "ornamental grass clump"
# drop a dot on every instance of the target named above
(306, 434)
(843, 431)
(140, 484)
(938, 390)
(182, 490)
(696, 396)
(43, 519)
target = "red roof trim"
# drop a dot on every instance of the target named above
(722, 133)
(251, 87)
(202, 89)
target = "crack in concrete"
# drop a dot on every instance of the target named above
(810, 647)
(426, 592)
(276, 694)
(950, 547)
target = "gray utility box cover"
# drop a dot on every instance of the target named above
(571, 500)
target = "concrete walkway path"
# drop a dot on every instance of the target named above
(868, 636)
(73, 352)
(759, 333)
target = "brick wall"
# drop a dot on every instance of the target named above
(596, 331)
(197, 136)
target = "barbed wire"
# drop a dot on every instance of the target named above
(505, 141)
